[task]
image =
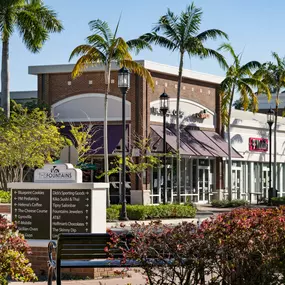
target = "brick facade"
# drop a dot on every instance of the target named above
(5, 208)
(56, 86)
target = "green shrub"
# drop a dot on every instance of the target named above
(13, 254)
(112, 214)
(137, 212)
(277, 201)
(141, 212)
(229, 204)
(5, 196)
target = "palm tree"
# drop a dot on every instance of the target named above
(239, 79)
(181, 33)
(104, 47)
(34, 21)
(273, 75)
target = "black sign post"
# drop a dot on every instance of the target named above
(31, 212)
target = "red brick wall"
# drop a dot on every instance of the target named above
(39, 258)
(5, 208)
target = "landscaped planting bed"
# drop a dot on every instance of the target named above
(140, 212)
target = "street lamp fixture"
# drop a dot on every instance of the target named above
(270, 120)
(124, 85)
(164, 107)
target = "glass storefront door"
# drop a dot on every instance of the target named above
(196, 178)
(265, 181)
(236, 183)
(204, 183)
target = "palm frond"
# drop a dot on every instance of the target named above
(119, 50)
(277, 58)
(228, 48)
(137, 45)
(168, 25)
(98, 42)
(117, 27)
(46, 16)
(87, 49)
(212, 34)
(34, 22)
(249, 67)
(225, 102)
(84, 62)
(102, 28)
(190, 21)
(226, 85)
(206, 52)
(154, 38)
(139, 70)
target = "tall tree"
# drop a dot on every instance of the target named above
(273, 74)
(181, 33)
(104, 47)
(239, 80)
(34, 21)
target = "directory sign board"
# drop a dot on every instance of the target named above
(43, 214)
(71, 211)
(31, 212)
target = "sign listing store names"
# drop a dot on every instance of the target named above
(40, 217)
(71, 211)
(31, 212)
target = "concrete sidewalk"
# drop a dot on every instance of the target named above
(135, 279)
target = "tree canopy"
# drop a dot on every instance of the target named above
(28, 139)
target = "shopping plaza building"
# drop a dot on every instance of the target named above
(203, 148)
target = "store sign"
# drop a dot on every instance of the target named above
(58, 173)
(190, 113)
(258, 144)
(171, 113)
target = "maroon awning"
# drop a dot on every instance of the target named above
(115, 133)
(170, 140)
(196, 142)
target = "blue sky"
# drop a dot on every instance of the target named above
(255, 28)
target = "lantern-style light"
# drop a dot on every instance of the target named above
(124, 79)
(270, 116)
(164, 102)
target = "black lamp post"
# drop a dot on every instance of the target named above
(164, 106)
(124, 85)
(270, 120)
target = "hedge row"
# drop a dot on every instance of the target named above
(278, 201)
(140, 212)
(229, 204)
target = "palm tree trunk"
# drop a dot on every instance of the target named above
(106, 152)
(275, 141)
(230, 147)
(5, 94)
(178, 162)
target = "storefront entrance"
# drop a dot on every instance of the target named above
(204, 182)
(197, 181)
(237, 183)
